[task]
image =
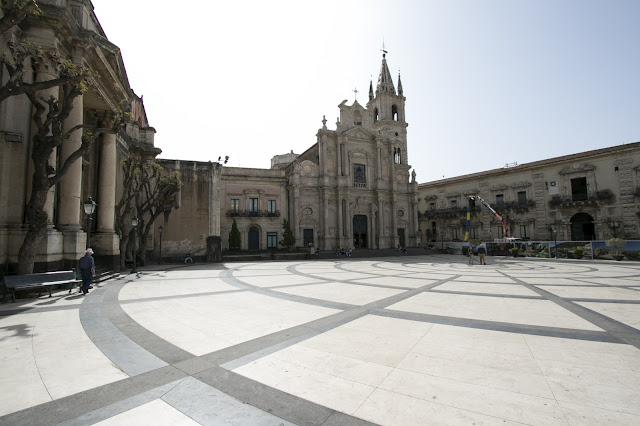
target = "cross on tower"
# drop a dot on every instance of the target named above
(356, 92)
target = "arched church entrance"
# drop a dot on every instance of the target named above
(582, 227)
(359, 231)
(254, 238)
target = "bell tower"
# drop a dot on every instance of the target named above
(386, 107)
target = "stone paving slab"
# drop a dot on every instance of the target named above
(397, 340)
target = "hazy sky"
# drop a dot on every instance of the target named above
(487, 82)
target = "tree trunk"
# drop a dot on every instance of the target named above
(37, 229)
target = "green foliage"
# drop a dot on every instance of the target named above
(234, 237)
(465, 250)
(288, 239)
(514, 251)
(578, 251)
(617, 244)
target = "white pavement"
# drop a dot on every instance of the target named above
(391, 341)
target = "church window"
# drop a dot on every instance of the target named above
(394, 113)
(359, 176)
(375, 115)
(522, 198)
(272, 240)
(397, 156)
(253, 205)
(357, 118)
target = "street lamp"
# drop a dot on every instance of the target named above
(160, 229)
(134, 223)
(555, 241)
(89, 208)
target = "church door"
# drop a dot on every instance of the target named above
(254, 238)
(582, 227)
(360, 231)
(401, 236)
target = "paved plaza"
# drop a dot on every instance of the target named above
(410, 340)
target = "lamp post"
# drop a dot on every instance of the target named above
(89, 208)
(134, 223)
(442, 240)
(555, 241)
(160, 229)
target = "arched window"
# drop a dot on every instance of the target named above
(375, 115)
(394, 113)
(397, 156)
(357, 118)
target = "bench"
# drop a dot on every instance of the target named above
(37, 281)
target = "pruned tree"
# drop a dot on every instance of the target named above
(288, 239)
(18, 57)
(234, 237)
(148, 191)
(48, 119)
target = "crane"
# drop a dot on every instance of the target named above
(495, 213)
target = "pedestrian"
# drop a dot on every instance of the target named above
(188, 258)
(482, 253)
(87, 270)
(470, 254)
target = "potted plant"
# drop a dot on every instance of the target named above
(578, 252)
(617, 244)
(514, 252)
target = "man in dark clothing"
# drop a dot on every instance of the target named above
(87, 270)
(482, 253)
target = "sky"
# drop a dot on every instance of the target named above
(487, 82)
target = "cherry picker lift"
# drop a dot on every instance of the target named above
(495, 213)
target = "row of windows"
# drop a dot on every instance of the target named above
(522, 200)
(253, 205)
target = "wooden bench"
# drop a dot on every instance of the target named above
(37, 281)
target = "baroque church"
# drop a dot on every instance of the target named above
(351, 189)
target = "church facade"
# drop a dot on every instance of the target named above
(351, 189)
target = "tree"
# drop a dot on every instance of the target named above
(19, 57)
(48, 119)
(288, 239)
(148, 191)
(234, 237)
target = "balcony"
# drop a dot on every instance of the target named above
(447, 212)
(590, 199)
(252, 213)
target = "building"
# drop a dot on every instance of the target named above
(69, 30)
(593, 195)
(352, 188)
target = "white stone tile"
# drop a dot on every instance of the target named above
(157, 413)
(582, 345)
(390, 408)
(489, 288)
(335, 365)
(581, 415)
(493, 377)
(592, 292)
(579, 357)
(20, 384)
(324, 389)
(590, 375)
(595, 395)
(493, 402)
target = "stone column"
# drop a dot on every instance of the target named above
(295, 227)
(107, 184)
(380, 222)
(70, 187)
(325, 219)
(339, 157)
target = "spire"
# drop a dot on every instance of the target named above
(399, 85)
(370, 90)
(385, 82)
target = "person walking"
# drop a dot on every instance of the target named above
(470, 254)
(481, 254)
(87, 270)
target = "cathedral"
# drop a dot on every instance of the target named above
(351, 189)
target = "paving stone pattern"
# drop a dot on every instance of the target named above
(399, 340)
